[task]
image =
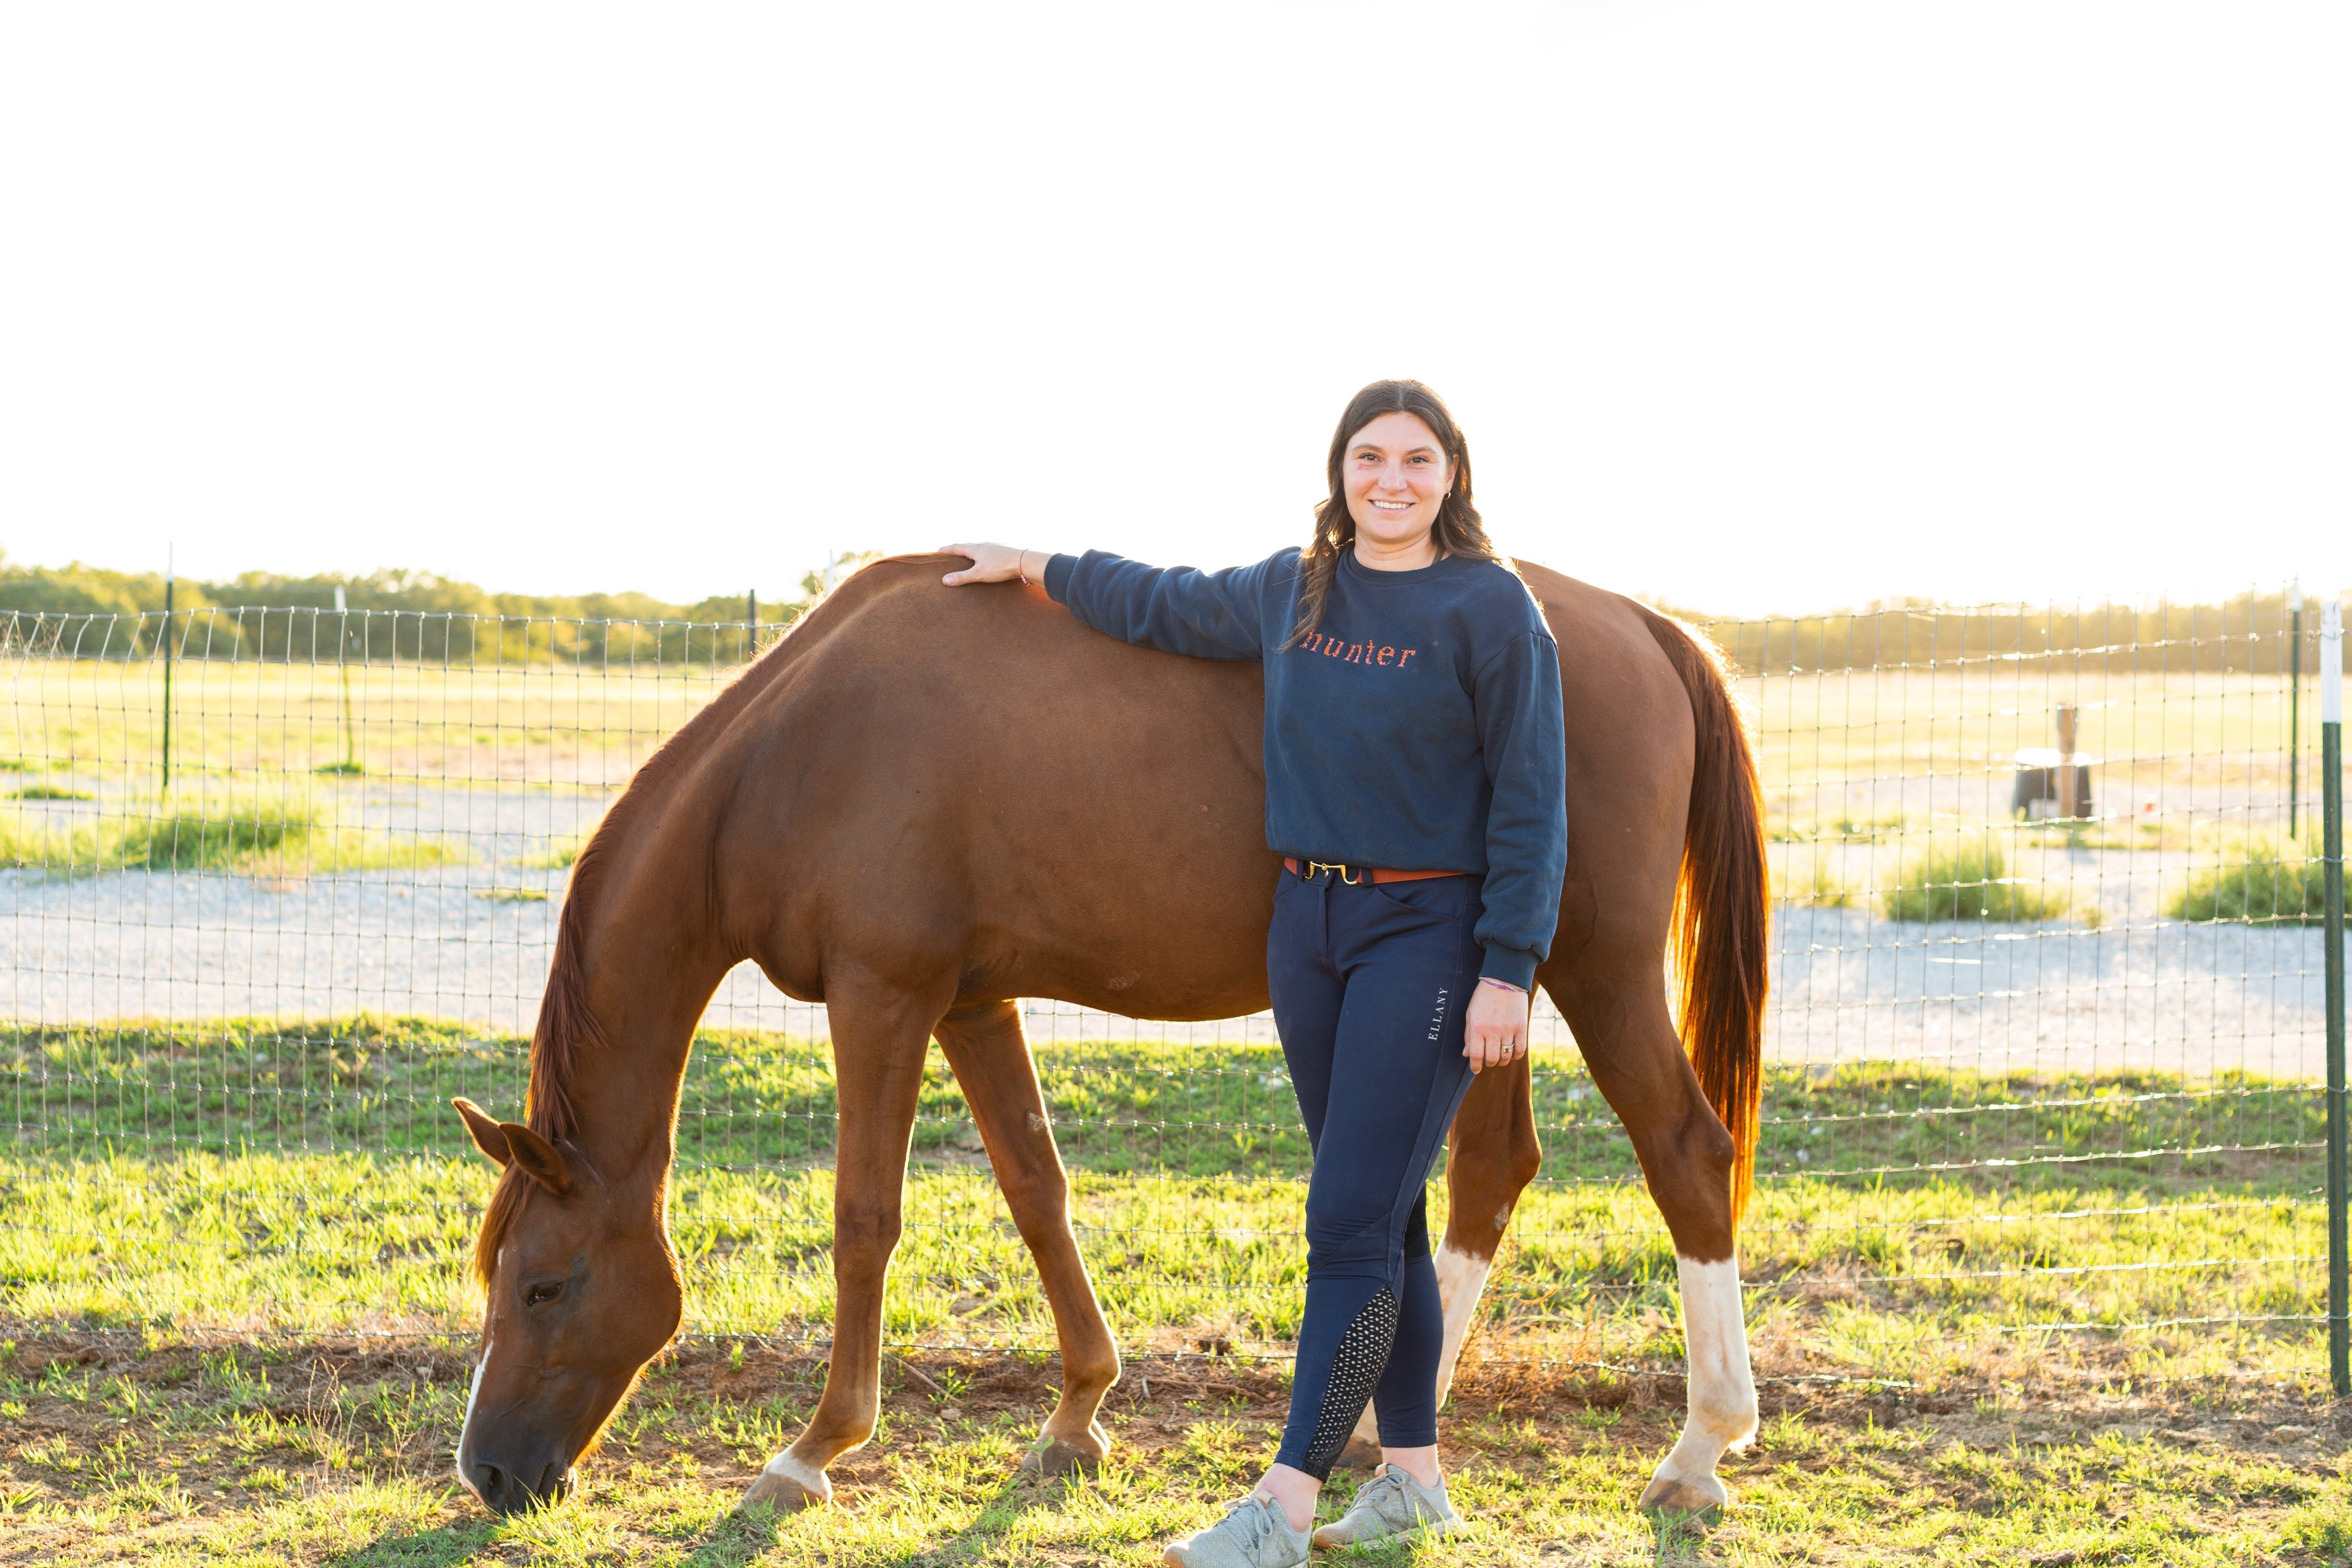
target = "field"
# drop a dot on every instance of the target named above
(1866, 732)
(231, 1255)
(2035, 1262)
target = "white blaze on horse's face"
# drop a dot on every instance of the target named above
(1395, 476)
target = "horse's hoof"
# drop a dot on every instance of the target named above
(1052, 1457)
(1359, 1455)
(1666, 1494)
(787, 1485)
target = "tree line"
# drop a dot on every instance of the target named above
(94, 611)
(2249, 634)
(421, 615)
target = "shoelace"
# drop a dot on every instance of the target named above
(1261, 1524)
(1377, 1492)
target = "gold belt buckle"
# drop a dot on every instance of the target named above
(1331, 866)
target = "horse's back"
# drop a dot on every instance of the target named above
(972, 769)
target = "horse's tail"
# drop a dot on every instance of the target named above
(1722, 904)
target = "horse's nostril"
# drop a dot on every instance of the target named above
(487, 1483)
(554, 1482)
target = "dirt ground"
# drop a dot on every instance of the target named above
(81, 1414)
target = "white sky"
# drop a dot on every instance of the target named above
(1753, 306)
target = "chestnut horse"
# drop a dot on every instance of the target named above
(926, 802)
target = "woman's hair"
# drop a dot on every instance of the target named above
(1457, 532)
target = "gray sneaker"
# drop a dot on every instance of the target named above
(1253, 1534)
(1391, 1503)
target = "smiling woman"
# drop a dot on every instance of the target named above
(1415, 790)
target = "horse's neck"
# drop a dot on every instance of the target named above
(648, 962)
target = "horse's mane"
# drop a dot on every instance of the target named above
(566, 1023)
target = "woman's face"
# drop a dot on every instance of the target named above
(1395, 476)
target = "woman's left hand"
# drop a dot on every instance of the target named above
(1495, 1030)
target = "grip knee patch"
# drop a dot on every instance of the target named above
(1363, 1353)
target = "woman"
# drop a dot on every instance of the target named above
(1416, 789)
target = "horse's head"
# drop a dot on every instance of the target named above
(582, 1291)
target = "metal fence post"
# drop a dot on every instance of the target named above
(2331, 797)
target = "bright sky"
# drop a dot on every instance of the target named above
(1752, 306)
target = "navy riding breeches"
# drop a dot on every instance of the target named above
(1369, 987)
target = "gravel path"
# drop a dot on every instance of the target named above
(2143, 993)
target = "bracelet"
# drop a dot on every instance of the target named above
(1021, 566)
(1491, 980)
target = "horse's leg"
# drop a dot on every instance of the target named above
(1490, 1158)
(879, 1038)
(991, 1061)
(1621, 1020)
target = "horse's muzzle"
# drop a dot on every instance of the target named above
(506, 1490)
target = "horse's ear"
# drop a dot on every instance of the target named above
(488, 1136)
(541, 1160)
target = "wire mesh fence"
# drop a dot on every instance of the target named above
(2044, 1043)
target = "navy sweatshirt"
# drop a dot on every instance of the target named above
(1417, 728)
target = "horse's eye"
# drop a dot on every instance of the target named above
(542, 1293)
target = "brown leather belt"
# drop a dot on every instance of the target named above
(1362, 873)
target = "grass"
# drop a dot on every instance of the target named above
(184, 1178)
(336, 1452)
(2258, 881)
(559, 855)
(48, 792)
(214, 828)
(571, 726)
(1846, 827)
(1965, 877)
(1820, 887)
(586, 726)
(1821, 734)
(195, 1221)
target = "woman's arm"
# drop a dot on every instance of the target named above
(1518, 698)
(1176, 609)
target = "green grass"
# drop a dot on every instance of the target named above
(1820, 886)
(218, 1208)
(1846, 827)
(184, 1178)
(1965, 877)
(577, 726)
(48, 792)
(559, 855)
(207, 827)
(2259, 881)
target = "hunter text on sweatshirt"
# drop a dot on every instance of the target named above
(1417, 729)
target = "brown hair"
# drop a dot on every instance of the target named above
(1458, 529)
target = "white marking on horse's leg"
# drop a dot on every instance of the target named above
(1461, 1280)
(807, 1476)
(1722, 1390)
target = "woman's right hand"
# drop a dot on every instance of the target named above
(997, 563)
